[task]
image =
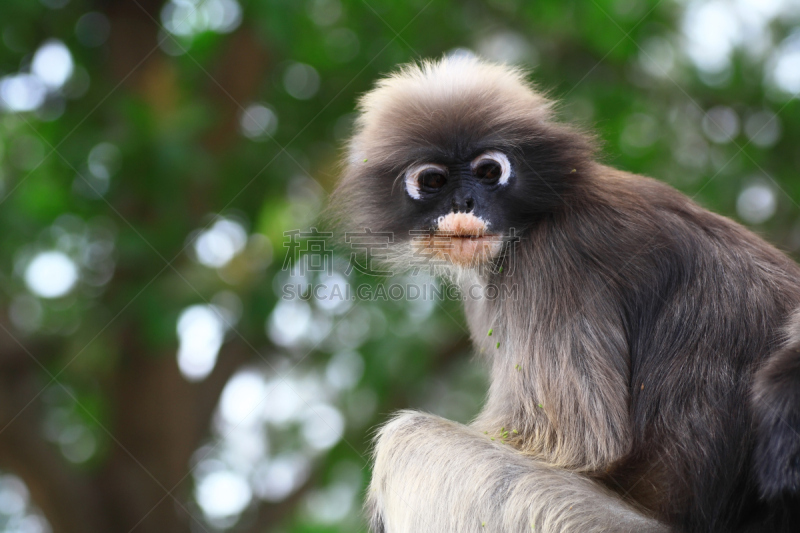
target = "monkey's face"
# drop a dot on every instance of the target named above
(455, 157)
(456, 206)
(455, 196)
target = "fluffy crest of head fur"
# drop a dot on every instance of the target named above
(454, 94)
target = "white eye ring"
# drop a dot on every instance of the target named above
(412, 178)
(497, 157)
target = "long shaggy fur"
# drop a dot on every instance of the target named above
(451, 478)
(649, 367)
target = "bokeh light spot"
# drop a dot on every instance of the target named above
(324, 12)
(763, 128)
(301, 81)
(756, 204)
(22, 92)
(190, 17)
(712, 30)
(52, 63)
(721, 124)
(51, 274)
(784, 69)
(92, 29)
(241, 398)
(345, 370)
(258, 121)
(323, 426)
(289, 322)
(508, 47)
(201, 330)
(275, 480)
(216, 246)
(222, 494)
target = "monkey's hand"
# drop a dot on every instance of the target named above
(436, 476)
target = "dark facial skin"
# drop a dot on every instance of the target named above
(533, 185)
(479, 185)
(544, 164)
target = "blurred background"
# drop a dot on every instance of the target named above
(153, 155)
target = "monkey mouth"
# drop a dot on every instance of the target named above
(462, 239)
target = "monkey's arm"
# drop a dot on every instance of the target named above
(436, 476)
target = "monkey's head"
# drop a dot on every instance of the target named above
(454, 155)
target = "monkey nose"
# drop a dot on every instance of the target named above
(465, 204)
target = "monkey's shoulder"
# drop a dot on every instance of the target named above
(650, 205)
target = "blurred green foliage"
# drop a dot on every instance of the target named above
(174, 117)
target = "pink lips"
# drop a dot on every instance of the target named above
(461, 238)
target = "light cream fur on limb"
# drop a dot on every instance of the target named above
(432, 475)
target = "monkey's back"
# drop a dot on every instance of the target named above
(704, 301)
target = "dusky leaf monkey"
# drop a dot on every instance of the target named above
(646, 375)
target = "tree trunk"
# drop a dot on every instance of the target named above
(157, 419)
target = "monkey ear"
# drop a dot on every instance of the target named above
(364, 198)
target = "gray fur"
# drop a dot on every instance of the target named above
(647, 371)
(435, 476)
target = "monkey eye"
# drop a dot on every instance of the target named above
(426, 177)
(492, 167)
(432, 179)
